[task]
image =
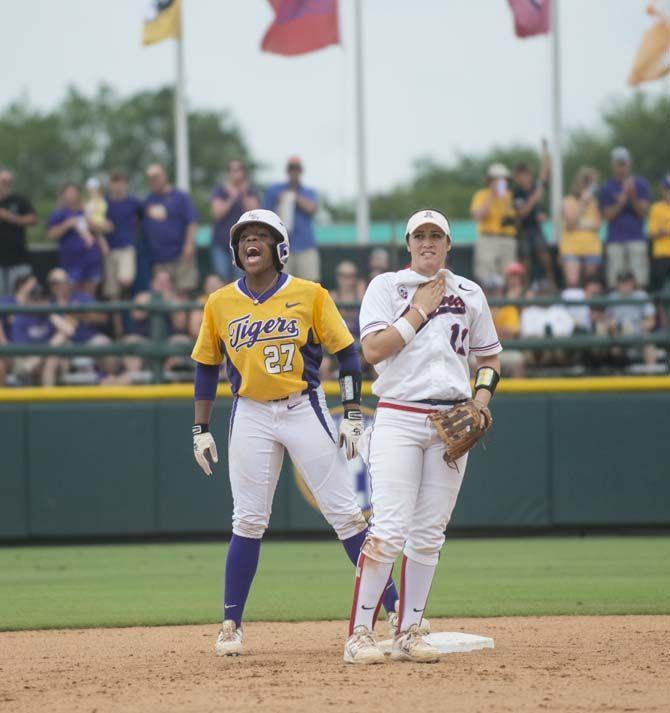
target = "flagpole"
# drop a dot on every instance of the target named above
(362, 211)
(180, 116)
(557, 155)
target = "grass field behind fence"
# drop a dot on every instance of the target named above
(123, 585)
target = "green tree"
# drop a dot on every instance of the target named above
(641, 123)
(89, 135)
(448, 187)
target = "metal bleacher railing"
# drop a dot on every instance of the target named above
(156, 348)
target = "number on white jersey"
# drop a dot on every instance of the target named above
(273, 357)
(455, 329)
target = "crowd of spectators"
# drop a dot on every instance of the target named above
(102, 231)
(513, 261)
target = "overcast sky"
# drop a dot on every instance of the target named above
(441, 76)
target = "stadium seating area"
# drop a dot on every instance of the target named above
(540, 304)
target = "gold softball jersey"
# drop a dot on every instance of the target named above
(272, 343)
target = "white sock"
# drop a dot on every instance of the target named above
(371, 580)
(415, 582)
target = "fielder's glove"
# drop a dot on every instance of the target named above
(203, 446)
(461, 427)
(351, 429)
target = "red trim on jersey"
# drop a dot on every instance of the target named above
(488, 346)
(398, 407)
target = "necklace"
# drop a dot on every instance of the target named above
(257, 297)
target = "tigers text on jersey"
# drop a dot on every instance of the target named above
(434, 365)
(273, 348)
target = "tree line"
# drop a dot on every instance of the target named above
(87, 135)
(640, 123)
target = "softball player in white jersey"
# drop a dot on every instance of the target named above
(269, 328)
(417, 327)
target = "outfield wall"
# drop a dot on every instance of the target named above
(91, 462)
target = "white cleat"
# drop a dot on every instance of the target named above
(229, 641)
(361, 648)
(411, 646)
(392, 623)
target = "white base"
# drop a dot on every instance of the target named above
(449, 642)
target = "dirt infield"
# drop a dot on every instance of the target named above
(539, 664)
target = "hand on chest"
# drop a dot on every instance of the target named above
(447, 325)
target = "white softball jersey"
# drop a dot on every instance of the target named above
(434, 365)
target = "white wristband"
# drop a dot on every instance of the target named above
(405, 329)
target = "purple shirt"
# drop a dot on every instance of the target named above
(140, 327)
(72, 249)
(124, 214)
(84, 330)
(221, 235)
(166, 219)
(31, 329)
(302, 236)
(627, 226)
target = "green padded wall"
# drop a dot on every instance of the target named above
(610, 459)
(126, 468)
(92, 468)
(187, 500)
(13, 473)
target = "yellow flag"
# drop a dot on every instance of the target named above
(162, 20)
(652, 60)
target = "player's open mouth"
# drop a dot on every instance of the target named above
(252, 254)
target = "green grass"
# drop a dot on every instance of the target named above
(122, 585)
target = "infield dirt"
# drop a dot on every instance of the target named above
(614, 663)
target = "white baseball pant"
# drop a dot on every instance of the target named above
(259, 433)
(413, 490)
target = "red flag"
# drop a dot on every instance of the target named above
(531, 17)
(302, 26)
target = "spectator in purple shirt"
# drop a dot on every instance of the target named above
(85, 327)
(123, 213)
(229, 200)
(23, 287)
(170, 224)
(624, 201)
(296, 205)
(79, 252)
(50, 329)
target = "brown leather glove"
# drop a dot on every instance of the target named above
(460, 427)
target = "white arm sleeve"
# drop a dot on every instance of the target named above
(376, 309)
(483, 336)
